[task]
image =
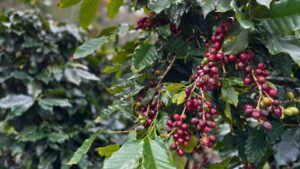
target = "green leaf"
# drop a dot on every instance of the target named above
(178, 46)
(113, 7)
(224, 164)
(88, 11)
(174, 87)
(208, 5)
(264, 2)
(144, 56)
(282, 8)
(274, 135)
(223, 6)
(180, 162)
(34, 89)
(107, 151)
(127, 157)
(155, 156)
(227, 112)
(58, 137)
(11, 101)
(191, 144)
(158, 6)
(230, 95)
(82, 150)
(76, 75)
(67, 3)
(236, 40)
(244, 22)
(287, 150)
(282, 26)
(89, 47)
(256, 146)
(179, 98)
(49, 103)
(287, 45)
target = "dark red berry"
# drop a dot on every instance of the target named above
(267, 126)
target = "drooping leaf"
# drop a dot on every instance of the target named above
(49, 103)
(264, 2)
(144, 56)
(256, 146)
(178, 46)
(282, 26)
(227, 112)
(107, 151)
(83, 149)
(236, 41)
(67, 3)
(287, 150)
(88, 11)
(113, 7)
(75, 75)
(127, 157)
(155, 156)
(208, 5)
(230, 95)
(289, 45)
(158, 6)
(89, 47)
(180, 162)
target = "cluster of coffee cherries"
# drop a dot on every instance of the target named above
(180, 132)
(147, 22)
(174, 29)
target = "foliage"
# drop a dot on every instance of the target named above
(237, 53)
(48, 101)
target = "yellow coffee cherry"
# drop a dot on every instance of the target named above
(290, 95)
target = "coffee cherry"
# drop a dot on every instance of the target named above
(267, 101)
(261, 79)
(173, 146)
(255, 114)
(261, 66)
(267, 126)
(194, 121)
(214, 70)
(177, 117)
(205, 141)
(247, 81)
(232, 58)
(180, 152)
(290, 95)
(272, 93)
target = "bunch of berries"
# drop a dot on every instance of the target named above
(147, 22)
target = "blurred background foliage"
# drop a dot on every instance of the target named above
(50, 103)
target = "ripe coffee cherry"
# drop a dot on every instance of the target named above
(180, 152)
(232, 58)
(277, 112)
(173, 146)
(219, 56)
(261, 66)
(217, 45)
(214, 70)
(169, 123)
(272, 93)
(212, 138)
(205, 141)
(255, 114)
(213, 51)
(276, 102)
(261, 79)
(240, 65)
(248, 69)
(267, 126)
(243, 57)
(265, 87)
(247, 81)
(194, 121)
(177, 117)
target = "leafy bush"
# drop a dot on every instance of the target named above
(48, 101)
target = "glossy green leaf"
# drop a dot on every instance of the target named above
(113, 7)
(11, 101)
(127, 157)
(107, 151)
(191, 144)
(158, 6)
(89, 47)
(264, 2)
(236, 40)
(287, 150)
(230, 95)
(287, 45)
(208, 5)
(256, 146)
(244, 22)
(144, 56)
(155, 156)
(82, 150)
(67, 3)
(223, 6)
(224, 164)
(49, 103)
(88, 11)
(178, 46)
(227, 112)
(282, 8)
(180, 162)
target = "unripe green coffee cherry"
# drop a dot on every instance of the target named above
(294, 110)
(205, 61)
(142, 121)
(290, 95)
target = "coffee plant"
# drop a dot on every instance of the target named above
(49, 102)
(208, 83)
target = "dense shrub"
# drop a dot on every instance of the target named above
(49, 102)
